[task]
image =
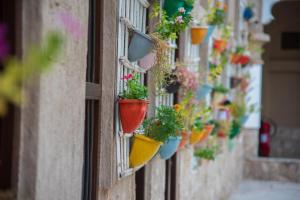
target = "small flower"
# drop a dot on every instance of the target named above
(129, 76)
(181, 10)
(179, 19)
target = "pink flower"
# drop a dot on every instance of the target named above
(181, 10)
(179, 19)
(71, 24)
(129, 76)
(4, 46)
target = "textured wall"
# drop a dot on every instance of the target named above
(212, 180)
(52, 122)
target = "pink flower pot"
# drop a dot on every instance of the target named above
(148, 61)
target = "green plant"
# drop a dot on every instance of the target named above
(169, 27)
(235, 128)
(189, 2)
(198, 124)
(166, 123)
(219, 88)
(208, 153)
(217, 14)
(134, 88)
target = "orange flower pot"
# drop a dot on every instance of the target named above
(220, 45)
(132, 113)
(207, 131)
(184, 139)
(235, 59)
(198, 34)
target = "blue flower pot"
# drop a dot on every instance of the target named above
(248, 13)
(140, 45)
(203, 91)
(167, 150)
(244, 119)
(210, 31)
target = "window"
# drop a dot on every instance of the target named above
(92, 108)
(290, 40)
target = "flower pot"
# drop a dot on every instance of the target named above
(244, 60)
(143, 149)
(167, 150)
(220, 45)
(148, 61)
(248, 13)
(203, 91)
(196, 136)
(132, 113)
(244, 119)
(210, 31)
(140, 45)
(221, 134)
(207, 131)
(184, 139)
(198, 34)
(235, 59)
(171, 6)
(172, 84)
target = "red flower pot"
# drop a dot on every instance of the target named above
(220, 45)
(244, 60)
(132, 113)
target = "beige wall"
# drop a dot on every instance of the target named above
(52, 121)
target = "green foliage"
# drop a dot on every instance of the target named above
(169, 27)
(216, 16)
(35, 62)
(189, 2)
(208, 153)
(166, 123)
(219, 88)
(198, 124)
(134, 88)
(235, 128)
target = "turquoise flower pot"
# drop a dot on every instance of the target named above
(244, 119)
(210, 31)
(171, 6)
(203, 91)
(140, 45)
(168, 149)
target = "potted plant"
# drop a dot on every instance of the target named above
(197, 131)
(160, 130)
(172, 83)
(207, 153)
(140, 45)
(198, 34)
(133, 103)
(203, 91)
(218, 94)
(248, 12)
(215, 17)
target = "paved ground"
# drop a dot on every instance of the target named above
(267, 190)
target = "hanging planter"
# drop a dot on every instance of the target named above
(132, 113)
(210, 31)
(203, 91)
(244, 60)
(168, 149)
(248, 13)
(148, 61)
(143, 150)
(172, 84)
(220, 45)
(235, 59)
(184, 139)
(198, 34)
(208, 128)
(171, 6)
(140, 45)
(196, 136)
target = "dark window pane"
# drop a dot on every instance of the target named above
(290, 40)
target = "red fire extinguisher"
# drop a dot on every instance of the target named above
(264, 139)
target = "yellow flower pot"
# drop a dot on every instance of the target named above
(198, 34)
(196, 136)
(143, 149)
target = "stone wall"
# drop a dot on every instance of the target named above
(211, 180)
